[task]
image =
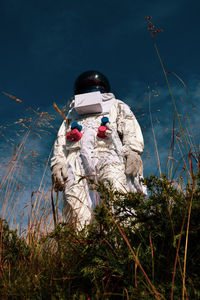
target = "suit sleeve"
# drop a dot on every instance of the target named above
(129, 129)
(59, 151)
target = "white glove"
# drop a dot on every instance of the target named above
(134, 165)
(59, 176)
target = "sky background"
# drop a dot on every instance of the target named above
(45, 45)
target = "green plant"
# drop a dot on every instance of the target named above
(98, 263)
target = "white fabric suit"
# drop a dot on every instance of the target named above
(102, 159)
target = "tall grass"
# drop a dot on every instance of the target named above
(19, 173)
(154, 30)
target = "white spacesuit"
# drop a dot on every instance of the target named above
(103, 141)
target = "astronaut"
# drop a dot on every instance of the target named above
(101, 140)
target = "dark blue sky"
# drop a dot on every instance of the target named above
(45, 45)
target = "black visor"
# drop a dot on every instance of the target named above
(91, 81)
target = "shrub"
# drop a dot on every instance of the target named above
(134, 249)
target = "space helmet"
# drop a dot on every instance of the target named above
(91, 81)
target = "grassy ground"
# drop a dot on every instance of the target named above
(135, 252)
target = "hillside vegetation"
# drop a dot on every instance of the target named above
(137, 248)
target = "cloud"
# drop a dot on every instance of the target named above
(162, 111)
(25, 175)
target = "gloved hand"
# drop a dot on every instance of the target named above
(59, 176)
(134, 165)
